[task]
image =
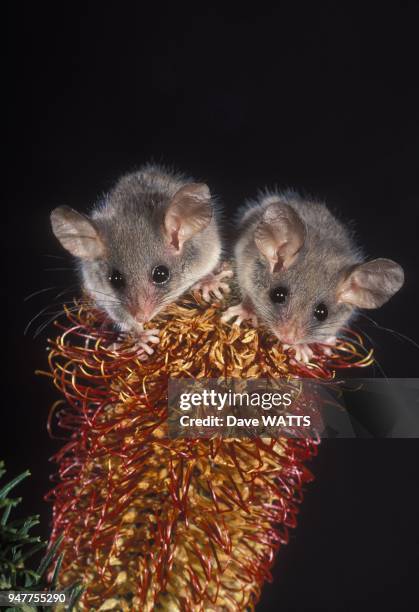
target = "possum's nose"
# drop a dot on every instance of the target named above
(145, 309)
(290, 333)
(289, 338)
(145, 313)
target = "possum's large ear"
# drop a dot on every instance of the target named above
(280, 235)
(76, 233)
(371, 284)
(189, 212)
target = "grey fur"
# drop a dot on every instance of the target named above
(326, 259)
(130, 222)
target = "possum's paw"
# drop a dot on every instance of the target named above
(213, 283)
(240, 313)
(303, 352)
(138, 344)
(328, 345)
(146, 337)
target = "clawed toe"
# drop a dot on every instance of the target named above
(240, 313)
(302, 352)
(327, 347)
(213, 284)
(146, 337)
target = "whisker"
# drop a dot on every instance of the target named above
(56, 315)
(390, 331)
(53, 256)
(40, 313)
(64, 291)
(364, 333)
(58, 270)
(45, 311)
(121, 301)
(31, 295)
(356, 343)
(102, 293)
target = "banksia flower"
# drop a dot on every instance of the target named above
(150, 522)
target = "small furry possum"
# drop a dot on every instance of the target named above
(300, 273)
(153, 237)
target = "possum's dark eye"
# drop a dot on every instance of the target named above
(321, 312)
(160, 275)
(116, 279)
(278, 295)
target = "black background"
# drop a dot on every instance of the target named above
(318, 96)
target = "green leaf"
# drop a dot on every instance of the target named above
(7, 488)
(47, 560)
(33, 550)
(17, 546)
(7, 503)
(6, 515)
(57, 569)
(75, 594)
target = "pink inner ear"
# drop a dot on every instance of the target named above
(174, 236)
(175, 240)
(279, 264)
(349, 292)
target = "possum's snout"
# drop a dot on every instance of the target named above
(290, 332)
